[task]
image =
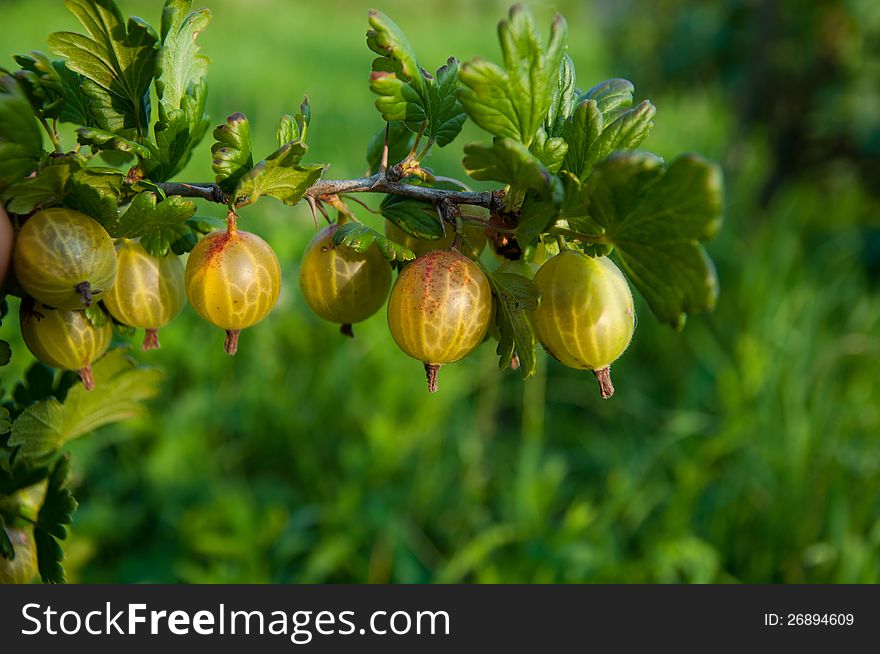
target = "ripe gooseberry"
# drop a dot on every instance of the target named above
(64, 339)
(439, 309)
(341, 284)
(586, 317)
(148, 292)
(232, 280)
(23, 567)
(474, 237)
(6, 235)
(64, 259)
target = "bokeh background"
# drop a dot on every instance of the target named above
(745, 448)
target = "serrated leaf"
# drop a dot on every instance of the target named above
(40, 82)
(563, 100)
(21, 143)
(54, 516)
(510, 162)
(181, 89)
(177, 238)
(294, 128)
(279, 175)
(400, 141)
(147, 214)
(120, 389)
(95, 192)
(656, 217)
(232, 151)
(360, 237)
(44, 190)
(593, 134)
(513, 101)
(515, 296)
(549, 150)
(406, 92)
(117, 59)
(101, 139)
(612, 97)
(416, 218)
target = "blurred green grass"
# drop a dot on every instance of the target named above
(742, 449)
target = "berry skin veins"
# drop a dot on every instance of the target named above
(440, 307)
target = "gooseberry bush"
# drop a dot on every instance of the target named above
(92, 234)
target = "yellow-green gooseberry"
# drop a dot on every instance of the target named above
(341, 284)
(64, 339)
(586, 317)
(148, 292)
(64, 259)
(439, 309)
(232, 280)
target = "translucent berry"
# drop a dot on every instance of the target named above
(64, 259)
(439, 309)
(64, 339)
(586, 317)
(232, 280)
(148, 292)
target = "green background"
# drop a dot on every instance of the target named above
(744, 448)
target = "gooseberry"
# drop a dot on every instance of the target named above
(232, 280)
(64, 259)
(23, 567)
(439, 309)
(341, 284)
(64, 339)
(586, 317)
(148, 292)
(5, 243)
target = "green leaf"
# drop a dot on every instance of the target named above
(511, 162)
(101, 139)
(181, 89)
(279, 175)
(95, 192)
(295, 128)
(563, 102)
(118, 60)
(549, 150)
(21, 142)
(612, 97)
(515, 296)
(120, 389)
(38, 384)
(416, 218)
(360, 237)
(56, 512)
(656, 217)
(40, 82)
(400, 141)
(592, 134)
(44, 190)
(513, 101)
(178, 238)
(147, 214)
(232, 151)
(406, 92)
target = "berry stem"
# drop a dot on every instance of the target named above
(231, 345)
(431, 370)
(603, 376)
(347, 330)
(85, 374)
(231, 222)
(151, 340)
